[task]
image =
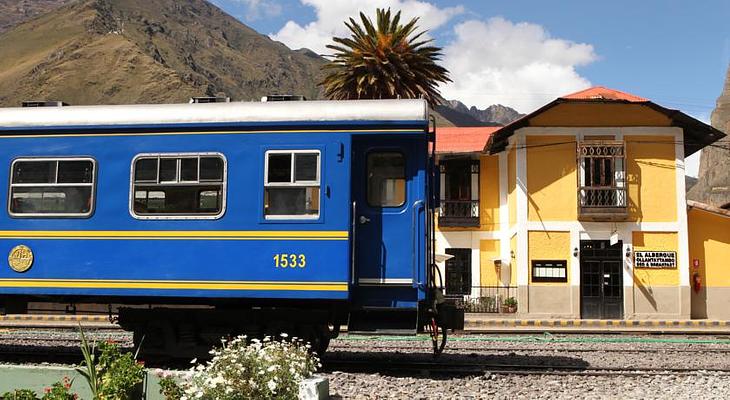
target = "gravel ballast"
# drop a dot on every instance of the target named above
(590, 351)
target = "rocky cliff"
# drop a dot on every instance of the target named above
(15, 12)
(713, 186)
(496, 114)
(142, 51)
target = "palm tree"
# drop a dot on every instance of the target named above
(384, 62)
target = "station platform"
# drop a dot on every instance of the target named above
(490, 323)
(55, 320)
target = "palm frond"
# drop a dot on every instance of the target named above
(385, 59)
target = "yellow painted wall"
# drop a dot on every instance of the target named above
(551, 178)
(512, 186)
(656, 241)
(489, 193)
(547, 245)
(709, 242)
(488, 252)
(651, 178)
(593, 114)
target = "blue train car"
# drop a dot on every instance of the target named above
(211, 219)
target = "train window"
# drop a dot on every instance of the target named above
(178, 186)
(45, 187)
(386, 179)
(292, 184)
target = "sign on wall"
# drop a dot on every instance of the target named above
(655, 259)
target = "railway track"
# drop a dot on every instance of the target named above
(334, 347)
(437, 368)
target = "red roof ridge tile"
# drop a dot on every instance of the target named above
(604, 93)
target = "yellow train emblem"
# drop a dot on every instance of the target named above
(20, 258)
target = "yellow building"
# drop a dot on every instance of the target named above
(581, 211)
(709, 253)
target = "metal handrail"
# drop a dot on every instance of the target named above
(354, 243)
(414, 208)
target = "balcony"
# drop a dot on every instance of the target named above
(459, 213)
(602, 203)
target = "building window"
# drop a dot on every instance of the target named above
(292, 184)
(458, 272)
(459, 192)
(178, 186)
(602, 176)
(549, 271)
(52, 187)
(386, 179)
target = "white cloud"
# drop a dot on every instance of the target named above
(331, 16)
(514, 64)
(256, 9)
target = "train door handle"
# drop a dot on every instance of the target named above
(364, 220)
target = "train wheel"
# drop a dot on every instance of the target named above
(438, 336)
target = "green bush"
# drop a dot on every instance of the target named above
(113, 375)
(57, 391)
(268, 369)
(20, 394)
(60, 391)
(169, 387)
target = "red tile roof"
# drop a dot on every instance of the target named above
(463, 140)
(604, 93)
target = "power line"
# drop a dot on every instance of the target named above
(725, 147)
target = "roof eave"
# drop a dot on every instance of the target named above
(691, 127)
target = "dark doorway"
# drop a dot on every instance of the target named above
(458, 272)
(601, 280)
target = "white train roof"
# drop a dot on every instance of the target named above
(159, 114)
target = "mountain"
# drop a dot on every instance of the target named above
(713, 186)
(15, 12)
(146, 51)
(495, 114)
(159, 51)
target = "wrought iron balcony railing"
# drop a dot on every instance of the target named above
(459, 213)
(602, 202)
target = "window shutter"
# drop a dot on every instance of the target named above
(475, 188)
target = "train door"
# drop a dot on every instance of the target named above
(388, 195)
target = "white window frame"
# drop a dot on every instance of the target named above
(92, 184)
(292, 181)
(178, 182)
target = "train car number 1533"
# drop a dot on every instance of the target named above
(285, 260)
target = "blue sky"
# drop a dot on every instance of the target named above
(524, 53)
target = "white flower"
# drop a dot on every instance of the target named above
(271, 385)
(284, 335)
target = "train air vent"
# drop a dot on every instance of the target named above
(283, 97)
(201, 100)
(44, 104)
